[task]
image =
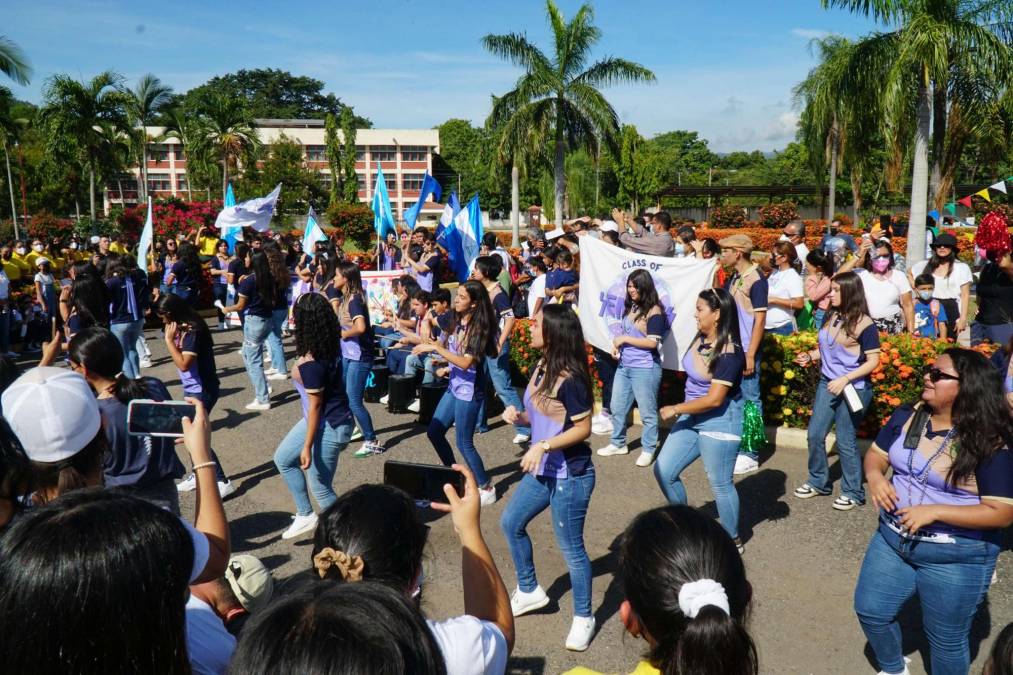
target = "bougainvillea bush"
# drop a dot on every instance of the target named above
(728, 216)
(778, 214)
(170, 216)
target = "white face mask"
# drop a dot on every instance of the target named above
(925, 295)
(37, 248)
(784, 237)
(73, 246)
(20, 250)
(680, 249)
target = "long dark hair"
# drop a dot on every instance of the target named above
(981, 413)
(182, 312)
(935, 261)
(188, 256)
(276, 261)
(480, 336)
(410, 288)
(89, 296)
(242, 250)
(720, 300)
(662, 550)
(489, 265)
(130, 621)
(819, 259)
(316, 328)
(853, 305)
(379, 524)
(100, 352)
(349, 271)
(346, 629)
(564, 351)
(261, 269)
(644, 283)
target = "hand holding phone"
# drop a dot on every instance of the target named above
(424, 482)
(146, 417)
(464, 506)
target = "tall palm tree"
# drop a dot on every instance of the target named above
(83, 111)
(186, 128)
(147, 97)
(562, 92)
(934, 48)
(227, 127)
(10, 131)
(13, 62)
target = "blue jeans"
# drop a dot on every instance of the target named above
(686, 443)
(786, 329)
(414, 363)
(829, 410)
(278, 319)
(951, 580)
(498, 370)
(396, 359)
(999, 333)
(356, 373)
(568, 498)
(640, 384)
(606, 367)
(209, 397)
(187, 293)
(329, 442)
(127, 334)
(255, 332)
(452, 411)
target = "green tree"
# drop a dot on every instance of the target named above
(142, 103)
(349, 181)
(201, 165)
(636, 170)
(924, 62)
(226, 126)
(284, 164)
(333, 145)
(562, 93)
(83, 111)
(10, 131)
(460, 165)
(13, 62)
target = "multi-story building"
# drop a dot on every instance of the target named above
(405, 155)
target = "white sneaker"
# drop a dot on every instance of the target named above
(188, 484)
(581, 632)
(521, 603)
(384, 399)
(225, 488)
(277, 376)
(270, 390)
(270, 371)
(645, 459)
(300, 525)
(487, 496)
(521, 438)
(601, 424)
(745, 464)
(145, 363)
(257, 405)
(356, 435)
(906, 670)
(414, 406)
(610, 450)
(267, 357)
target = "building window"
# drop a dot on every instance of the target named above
(325, 180)
(177, 149)
(158, 152)
(383, 153)
(360, 180)
(360, 153)
(316, 153)
(411, 182)
(159, 182)
(181, 183)
(414, 153)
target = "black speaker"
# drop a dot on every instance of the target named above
(376, 385)
(493, 406)
(429, 397)
(401, 392)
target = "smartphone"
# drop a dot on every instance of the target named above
(146, 417)
(422, 482)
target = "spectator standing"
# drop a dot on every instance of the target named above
(785, 295)
(820, 269)
(654, 240)
(952, 282)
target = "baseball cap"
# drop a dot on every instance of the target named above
(554, 233)
(251, 581)
(40, 261)
(609, 226)
(53, 412)
(739, 242)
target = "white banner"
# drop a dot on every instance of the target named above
(379, 290)
(603, 272)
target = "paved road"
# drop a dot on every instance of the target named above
(802, 557)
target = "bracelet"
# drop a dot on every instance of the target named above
(202, 465)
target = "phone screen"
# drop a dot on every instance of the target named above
(154, 418)
(423, 482)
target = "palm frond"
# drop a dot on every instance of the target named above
(611, 71)
(13, 62)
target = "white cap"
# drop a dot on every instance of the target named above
(53, 412)
(609, 226)
(555, 233)
(94, 239)
(40, 261)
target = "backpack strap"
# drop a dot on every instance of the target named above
(934, 307)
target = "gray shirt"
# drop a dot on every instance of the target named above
(644, 240)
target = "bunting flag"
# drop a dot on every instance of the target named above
(983, 193)
(934, 215)
(966, 201)
(952, 208)
(313, 233)
(1000, 186)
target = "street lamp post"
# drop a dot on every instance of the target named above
(21, 172)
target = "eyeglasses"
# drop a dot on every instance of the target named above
(934, 375)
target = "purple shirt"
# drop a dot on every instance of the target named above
(466, 384)
(728, 368)
(638, 357)
(360, 347)
(553, 412)
(841, 353)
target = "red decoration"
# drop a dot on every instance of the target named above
(966, 201)
(993, 235)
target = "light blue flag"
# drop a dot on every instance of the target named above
(430, 186)
(450, 211)
(383, 219)
(468, 224)
(313, 233)
(145, 243)
(232, 234)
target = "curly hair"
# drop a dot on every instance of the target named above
(316, 328)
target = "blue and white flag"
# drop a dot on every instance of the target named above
(383, 219)
(469, 224)
(145, 243)
(313, 233)
(255, 213)
(430, 186)
(450, 212)
(232, 234)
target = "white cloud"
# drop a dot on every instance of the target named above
(810, 33)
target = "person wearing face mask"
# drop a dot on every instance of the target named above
(11, 269)
(887, 289)
(794, 234)
(930, 315)
(20, 251)
(686, 244)
(952, 281)
(37, 251)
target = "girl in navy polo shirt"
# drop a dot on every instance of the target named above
(710, 419)
(220, 279)
(639, 373)
(848, 353)
(557, 466)
(471, 340)
(315, 441)
(941, 513)
(185, 274)
(128, 299)
(357, 349)
(257, 293)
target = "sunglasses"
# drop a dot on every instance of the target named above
(934, 375)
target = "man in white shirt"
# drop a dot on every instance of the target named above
(536, 292)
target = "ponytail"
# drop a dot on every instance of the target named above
(126, 389)
(98, 350)
(713, 642)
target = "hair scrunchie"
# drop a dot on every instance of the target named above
(350, 567)
(696, 595)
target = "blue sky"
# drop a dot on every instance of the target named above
(725, 68)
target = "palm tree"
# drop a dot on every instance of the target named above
(227, 127)
(935, 50)
(13, 62)
(562, 93)
(187, 130)
(83, 111)
(147, 97)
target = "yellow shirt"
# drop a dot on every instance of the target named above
(12, 271)
(26, 269)
(643, 668)
(117, 247)
(32, 256)
(206, 245)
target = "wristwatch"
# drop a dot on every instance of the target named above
(546, 446)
